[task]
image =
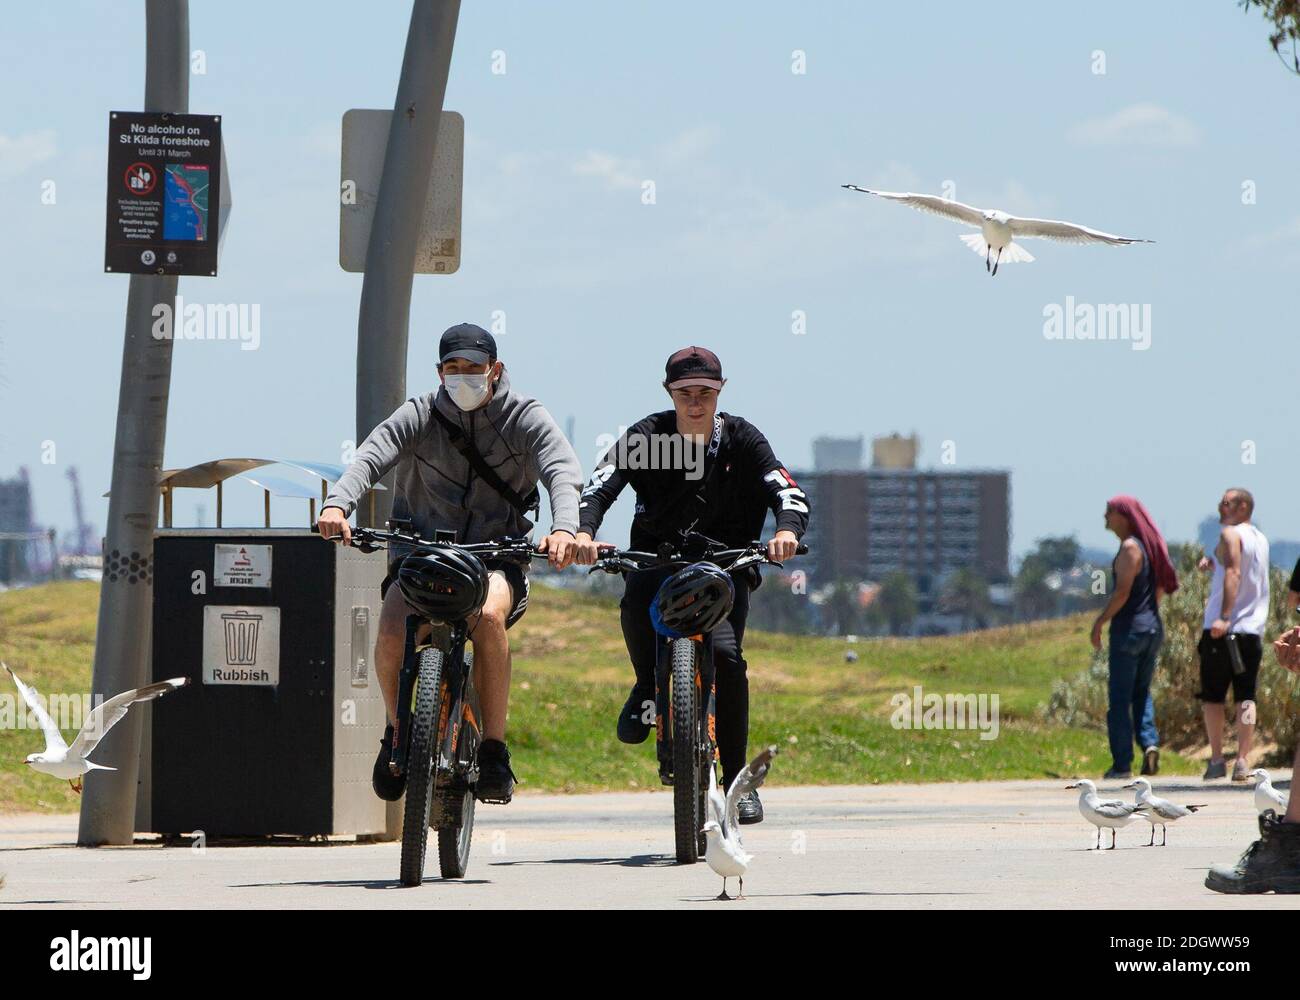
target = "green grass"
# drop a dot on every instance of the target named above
(831, 719)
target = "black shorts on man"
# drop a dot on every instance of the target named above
(1216, 667)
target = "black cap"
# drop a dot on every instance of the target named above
(467, 341)
(693, 366)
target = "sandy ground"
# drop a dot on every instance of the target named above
(989, 844)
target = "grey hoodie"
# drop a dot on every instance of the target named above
(435, 486)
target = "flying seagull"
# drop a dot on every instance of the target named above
(1266, 796)
(1110, 813)
(69, 762)
(724, 851)
(1159, 812)
(998, 230)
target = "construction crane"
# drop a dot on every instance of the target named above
(84, 530)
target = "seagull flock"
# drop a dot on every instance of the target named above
(1115, 814)
(69, 762)
(998, 231)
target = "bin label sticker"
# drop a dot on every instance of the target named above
(241, 645)
(242, 566)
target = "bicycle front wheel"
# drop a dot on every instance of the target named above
(688, 791)
(422, 747)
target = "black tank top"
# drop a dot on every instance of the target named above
(1139, 613)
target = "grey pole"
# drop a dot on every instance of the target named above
(126, 595)
(390, 256)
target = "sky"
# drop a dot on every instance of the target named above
(1170, 122)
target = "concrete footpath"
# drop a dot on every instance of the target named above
(989, 844)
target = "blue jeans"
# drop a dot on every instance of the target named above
(1132, 665)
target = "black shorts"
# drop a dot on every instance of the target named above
(1216, 667)
(515, 576)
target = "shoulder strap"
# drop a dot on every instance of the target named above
(462, 443)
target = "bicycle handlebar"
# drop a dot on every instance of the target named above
(626, 560)
(374, 539)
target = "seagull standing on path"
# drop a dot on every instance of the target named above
(1110, 813)
(1266, 796)
(1160, 812)
(724, 851)
(998, 230)
(69, 762)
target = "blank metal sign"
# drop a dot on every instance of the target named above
(365, 142)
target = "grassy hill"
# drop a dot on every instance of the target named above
(571, 675)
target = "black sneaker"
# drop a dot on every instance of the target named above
(1270, 864)
(496, 782)
(750, 808)
(387, 786)
(631, 725)
(1114, 774)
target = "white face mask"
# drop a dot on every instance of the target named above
(469, 392)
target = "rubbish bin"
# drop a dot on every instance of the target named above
(277, 734)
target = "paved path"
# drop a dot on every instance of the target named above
(987, 844)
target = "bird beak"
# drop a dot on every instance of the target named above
(1131, 784)
(1075, 785)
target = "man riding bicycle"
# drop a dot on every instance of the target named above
(469, 456)
(722, 484)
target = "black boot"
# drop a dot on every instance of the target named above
(387, 785)
(496, 782)
(1270, 864)
(632, 727)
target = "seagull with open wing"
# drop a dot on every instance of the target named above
(999, 231)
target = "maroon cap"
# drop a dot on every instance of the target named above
(694, 366)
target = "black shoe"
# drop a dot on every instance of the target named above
(1115, 774)
(496, 782)
(631, 728)
(387, 786)
(750, 808)
(1151, 760)
(1270, 864)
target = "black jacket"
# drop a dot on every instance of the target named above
(727, 496)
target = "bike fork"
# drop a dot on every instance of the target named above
(405, 692)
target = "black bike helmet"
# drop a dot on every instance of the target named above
(693, 601)
(444, 584)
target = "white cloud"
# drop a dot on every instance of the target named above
(1137, 125)
(618, 173)
(22, 152)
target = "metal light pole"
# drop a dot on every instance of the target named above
(126, 596)
(390, 257)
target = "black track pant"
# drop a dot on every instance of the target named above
(728, 658)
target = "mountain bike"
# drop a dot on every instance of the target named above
(685, 689)
(438, 730)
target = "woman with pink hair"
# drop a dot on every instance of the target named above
(1140, 575)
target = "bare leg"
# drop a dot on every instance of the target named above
(742, 888)
(390, 644)
(1213, 715)
(487, 631)
(998, 261)
(1245, 729)
(723, 893)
